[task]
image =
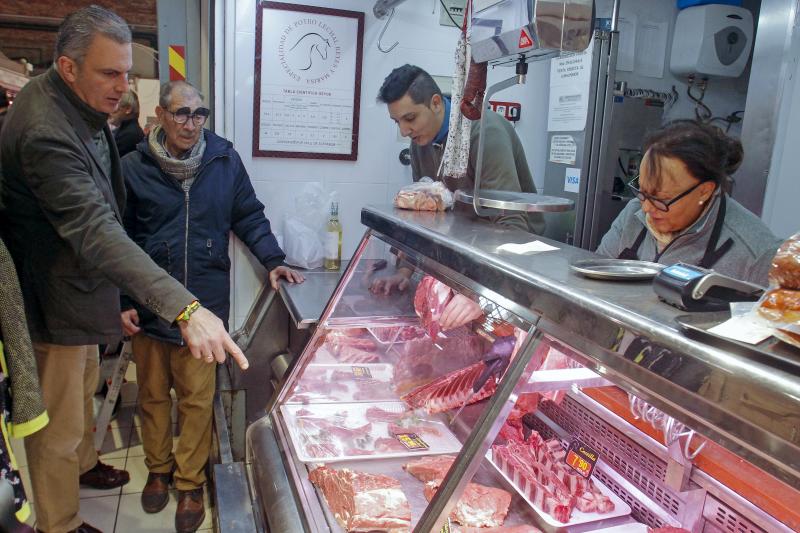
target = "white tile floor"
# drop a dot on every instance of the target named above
(119, 510)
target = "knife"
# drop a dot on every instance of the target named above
(495, 362)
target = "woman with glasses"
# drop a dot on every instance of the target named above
(681, 211)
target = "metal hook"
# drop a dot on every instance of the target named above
(380, 37)
(691, 455)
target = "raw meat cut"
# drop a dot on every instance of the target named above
(502, 529)
(409, 426)
(667, 529)
(537, 467)
(362, 501)
(421, 360)
(376, 414)
(479, 506)
(336, 339)
(430, 468)
(429, 301)
(389, 445)
(450, 391)
(397, 333)
(352, 355)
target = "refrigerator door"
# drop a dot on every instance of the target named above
(567, 172)
(620, 153)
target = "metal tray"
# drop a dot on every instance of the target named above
(616, 269)
(771, 351)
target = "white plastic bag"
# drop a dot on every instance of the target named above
(302, 228)
(424, 195)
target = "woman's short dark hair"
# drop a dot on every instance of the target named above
(708, 153)
(410, 79)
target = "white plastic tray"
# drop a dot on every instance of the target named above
(353, 415)
(577, 518)
(345, 386)
(633, 527)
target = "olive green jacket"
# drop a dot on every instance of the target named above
(505, 167)
(61, 221)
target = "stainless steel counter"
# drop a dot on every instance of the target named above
(750, 407)
(306, 301)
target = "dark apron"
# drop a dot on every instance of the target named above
(712, 254)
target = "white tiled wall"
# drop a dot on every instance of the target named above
(376, 176)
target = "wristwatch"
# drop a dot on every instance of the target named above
(187, 311)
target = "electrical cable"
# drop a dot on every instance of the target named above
(706, 113)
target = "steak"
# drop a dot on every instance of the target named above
(430, 468)
(389, 445)
(429, 302)
(362, 501)
(479, 506)
(450, 391)
(421, 360)
(537, 468)
(336, 339)
(354, 355)
(376, 414)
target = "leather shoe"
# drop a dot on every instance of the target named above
(191, 512)
(155, 495)
(104, 477)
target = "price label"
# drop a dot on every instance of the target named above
(411, 441)
(361, 372)
(582, 458)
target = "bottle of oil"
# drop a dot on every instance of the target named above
(333, 239)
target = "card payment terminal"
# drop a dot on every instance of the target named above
(694, 288)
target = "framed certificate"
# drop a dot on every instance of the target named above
(307, 82)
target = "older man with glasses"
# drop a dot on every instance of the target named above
(187, 190)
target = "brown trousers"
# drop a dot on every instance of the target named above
(64, 449)
(161, 366)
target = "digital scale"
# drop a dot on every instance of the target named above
(693, 288)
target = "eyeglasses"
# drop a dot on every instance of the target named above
(182, 115)
(661, 205)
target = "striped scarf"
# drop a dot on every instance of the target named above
(180, 169)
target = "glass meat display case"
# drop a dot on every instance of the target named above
(453, 386)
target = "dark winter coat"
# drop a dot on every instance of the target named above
(127, 136)
(187, 233)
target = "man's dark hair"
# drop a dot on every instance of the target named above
(411, 80)
(78, 30)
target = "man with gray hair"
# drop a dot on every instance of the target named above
(187, 190)
(64, 196)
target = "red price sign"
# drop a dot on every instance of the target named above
(582, 458)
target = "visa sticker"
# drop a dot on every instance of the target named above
(412, 441)
(572, 180)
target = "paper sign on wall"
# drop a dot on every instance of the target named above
(572, 180)
(627, 43)
(563, 149)
(570, 77)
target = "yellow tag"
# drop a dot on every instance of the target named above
(412, 441)
(361, 372)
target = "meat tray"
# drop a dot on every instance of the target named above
(325, 383)
(577, 518)
(353, 431)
